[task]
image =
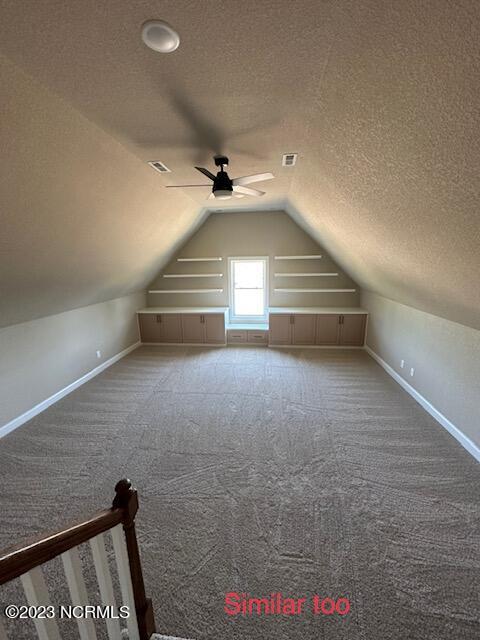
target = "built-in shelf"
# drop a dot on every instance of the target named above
(192, 275)
(186, 291)
(303, 275)
(297, 257)
(199, 259)
(316, 290)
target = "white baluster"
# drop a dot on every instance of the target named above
(36, 593)
(104, 578)
(78, 591)
(123, 568)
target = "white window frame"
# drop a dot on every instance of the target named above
(247, 319)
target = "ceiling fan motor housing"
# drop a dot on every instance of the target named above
(222, 182)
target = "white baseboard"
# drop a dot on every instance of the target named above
(184, 344)
(312, 346)
(464, 440)
(38, 408)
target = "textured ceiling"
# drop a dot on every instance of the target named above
(380, 100)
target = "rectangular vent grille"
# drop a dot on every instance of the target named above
(289, 159)
(159, 166)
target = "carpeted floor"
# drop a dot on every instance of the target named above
(302, 472)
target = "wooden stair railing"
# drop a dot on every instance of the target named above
(25, 562)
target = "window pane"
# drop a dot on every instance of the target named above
(248, 274)
(249, 302)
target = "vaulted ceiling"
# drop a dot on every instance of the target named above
(379, 99)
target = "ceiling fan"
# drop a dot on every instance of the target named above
(223, 187)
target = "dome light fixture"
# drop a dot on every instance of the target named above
(160, 36)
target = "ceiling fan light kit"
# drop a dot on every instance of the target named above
(222, 194)
(160, 36)
(224, 187)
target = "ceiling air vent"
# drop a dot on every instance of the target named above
(289, 159)
(159, 166)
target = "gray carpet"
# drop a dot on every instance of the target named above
(260, 471)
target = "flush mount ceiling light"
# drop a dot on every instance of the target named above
(160, 36)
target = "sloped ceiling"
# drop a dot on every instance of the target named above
(380, 100)
(81, 219)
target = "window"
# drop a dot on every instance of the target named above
(248, 289)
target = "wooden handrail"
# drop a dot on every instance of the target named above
(17, 561)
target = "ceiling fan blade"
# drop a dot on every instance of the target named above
(247, 191)
(257, 177)
(206, 172)
(238, 195)
(182, 186)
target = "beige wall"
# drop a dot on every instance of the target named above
(445, 355)
(254, 233)
(82, 220)
(40, 357)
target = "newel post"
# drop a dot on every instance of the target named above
(126, 498)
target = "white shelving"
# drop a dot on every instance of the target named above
(304, 275)
(192, 275)
(199, 259)
(315, 290)
(317, 257)
(186, 291)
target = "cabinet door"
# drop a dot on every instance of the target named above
(193, 327)
(149, 327)
(303, 329)
(280, 328)
(352, 330)
(328, 326)
(215, 328)
(171, 327)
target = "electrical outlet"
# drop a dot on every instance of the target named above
(412, 372)
(99, 354)
(402, 364)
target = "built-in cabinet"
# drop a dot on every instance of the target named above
(170, 328)
(303, 329)
(177, 328)
(280, 327)
(328, 329)
(290, 328)
(247, 336)
(214, 324)
(352, 330)
(193, 328)
(160, 327)
(317, 329)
